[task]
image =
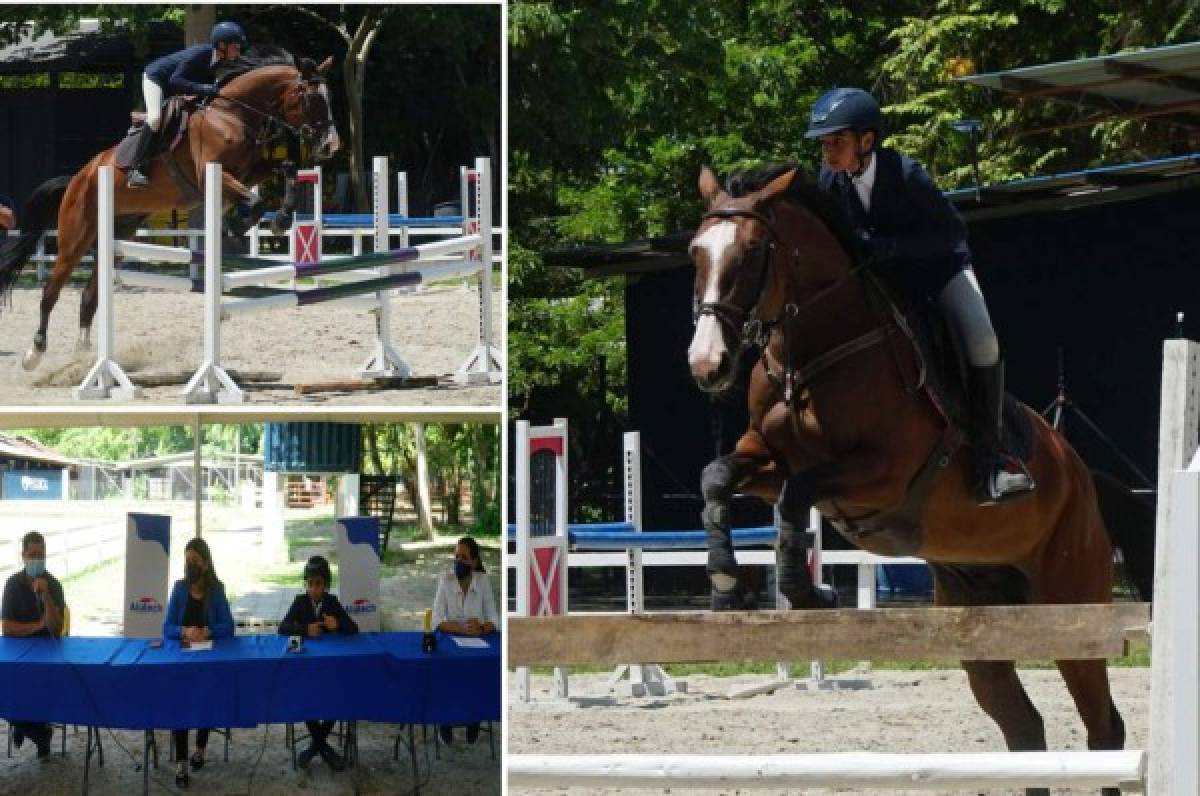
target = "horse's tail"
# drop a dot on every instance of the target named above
(1130, 521)
(39, 214)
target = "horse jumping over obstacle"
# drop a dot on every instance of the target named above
(858, 433)
(266, 96)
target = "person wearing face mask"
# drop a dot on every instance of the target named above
(464, 606)
(313, 614)
(33, 605)
(197, 611)
(917, 243)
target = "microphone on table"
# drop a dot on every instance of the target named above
(428, 638)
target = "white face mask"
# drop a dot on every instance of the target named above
(35, 567)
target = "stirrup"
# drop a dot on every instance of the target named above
(1005, 480)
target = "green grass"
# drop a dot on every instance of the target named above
(86, 571)
(1137, 657)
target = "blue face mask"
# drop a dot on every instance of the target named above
(462, 569)
(35, 567)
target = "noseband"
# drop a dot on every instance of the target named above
(745, 324)
(742, 322)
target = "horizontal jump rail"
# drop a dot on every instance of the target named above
(843, 770)
(998, 632)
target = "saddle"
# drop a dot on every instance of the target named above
(941, 374)
(175, 115)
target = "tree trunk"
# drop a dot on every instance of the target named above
(198, 21)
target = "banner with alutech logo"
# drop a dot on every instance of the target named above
(358, 569)
(147, 547)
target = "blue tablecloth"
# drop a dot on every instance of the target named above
(246, 681)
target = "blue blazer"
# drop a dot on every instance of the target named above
(188, 71)
(915, 233)
(220, 618)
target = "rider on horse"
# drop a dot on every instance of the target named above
(918, 242)
(189, 71)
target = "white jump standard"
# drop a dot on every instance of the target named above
(468, 255)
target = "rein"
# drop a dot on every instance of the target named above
(305, 132)
(756, 332)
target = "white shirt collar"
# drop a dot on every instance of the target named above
(865, 182)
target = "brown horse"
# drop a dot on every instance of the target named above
(839, 419)
(268, 95)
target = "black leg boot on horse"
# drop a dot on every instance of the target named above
(717, 485)
(791, 549)
(999, 475)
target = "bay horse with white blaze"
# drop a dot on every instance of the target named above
(841, 418)
(264, 96)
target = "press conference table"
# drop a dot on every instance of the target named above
(248, 680)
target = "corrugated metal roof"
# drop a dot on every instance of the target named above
(17, 447)
(88, 49)
(1077, 188)
(1119, 183)
(1163, 82)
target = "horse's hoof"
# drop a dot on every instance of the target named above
(726, 600)
(281, 222)
(31, 359)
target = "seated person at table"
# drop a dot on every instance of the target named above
(312, 614)
(464, 606)
(33, 606)
(197, 611)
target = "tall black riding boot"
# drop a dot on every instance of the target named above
(999, 476)
(135, 178)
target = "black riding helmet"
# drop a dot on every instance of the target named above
(845, 108)
(317, 565)
(227, 32)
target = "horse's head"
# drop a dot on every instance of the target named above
(307, 106)
(291, 90)
(732, 251)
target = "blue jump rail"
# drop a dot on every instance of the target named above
(621, 536)
(359, 220)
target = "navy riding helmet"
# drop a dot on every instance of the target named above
(227, 32)
(844, 108)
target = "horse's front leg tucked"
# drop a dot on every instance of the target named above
(791, 549)
(750, 469)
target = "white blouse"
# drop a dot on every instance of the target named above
(452, 605)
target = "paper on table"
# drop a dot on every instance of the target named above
(196, 646)
(468, 641)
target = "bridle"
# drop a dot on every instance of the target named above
(273, 117)
(751, 330)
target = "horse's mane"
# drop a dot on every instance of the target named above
(804, 192)
(256, 57)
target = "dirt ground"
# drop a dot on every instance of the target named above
(904, 711)
(161, 331)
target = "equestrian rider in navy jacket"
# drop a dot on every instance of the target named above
(189, 71)
(918, 244)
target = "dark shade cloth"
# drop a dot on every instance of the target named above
(248, 680)
(20, 601)
(303, 613)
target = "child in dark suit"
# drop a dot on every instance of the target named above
(313, 614)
